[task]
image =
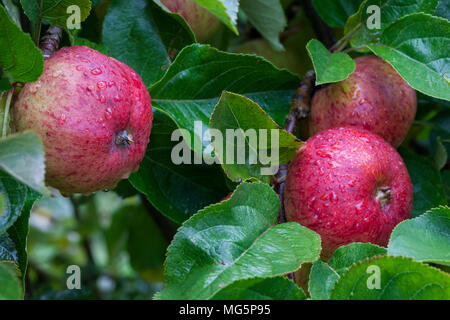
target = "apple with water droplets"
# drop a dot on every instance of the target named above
(203, 23)
(374, 97)
(93, 115)
(348, 185)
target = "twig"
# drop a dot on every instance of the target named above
(85, 241)
(50, 41)
(290, 32)
(299, 109)
(301, 104)
(342, 43)
(348, 50)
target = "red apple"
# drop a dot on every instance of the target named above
(203, 23)
(93, 115)
(373, 97)
(348, 185)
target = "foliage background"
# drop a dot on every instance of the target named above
(120, 238)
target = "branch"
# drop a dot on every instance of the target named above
(85, 240)
(50, 41)
(299, 110)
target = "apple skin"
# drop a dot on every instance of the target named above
(203, 23)
(374, 97)
(348, 185)
(80, 107)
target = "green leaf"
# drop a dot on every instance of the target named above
(20, 59)
(4, 83)
(54, 12)
(324, 275)
(440, 157)
(440, 130)
(18, 232)
(429, 191)
(390, 11)
(10, 288)
(234, 240)
(336, 12)
(225, 10)
(13, 195)
(400, 279)
(418, 47)
(239, 116)
(146, 244)
(3, 203)
(8, 250)
(5, 114)
(425, 238)
(279, 288)
(446, 181)
(176, 190)
(329, 67)
(194, 82)
(267, 16)
(13, 11)
(22, 156)
(145, 37)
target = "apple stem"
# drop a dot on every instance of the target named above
(384, 195)
(342, 43)
(50, 41)
(124, 138)
(348, 50)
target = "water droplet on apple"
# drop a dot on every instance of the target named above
(108, 114)
(62, 119)
(96, 71)
(57, 73)
(35, 87)
(117, 99)
(333, 197)
(79, 67)
(101, 85)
